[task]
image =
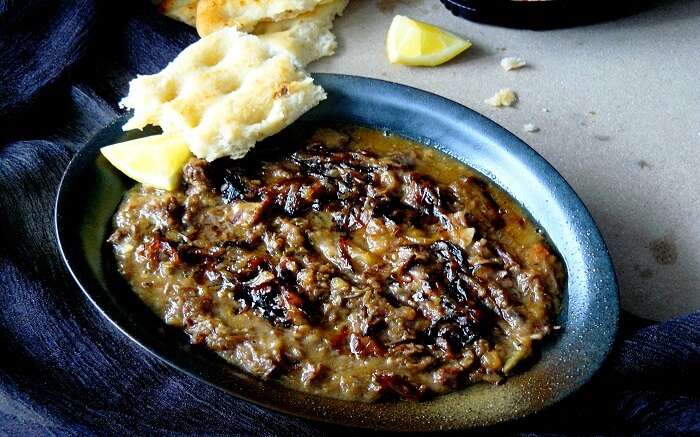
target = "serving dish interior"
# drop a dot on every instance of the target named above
(91, 192)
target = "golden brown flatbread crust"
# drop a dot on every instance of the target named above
(244, 15)
(180, 10)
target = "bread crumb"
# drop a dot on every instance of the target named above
(529, 127)
(512, 63)
(504, 97)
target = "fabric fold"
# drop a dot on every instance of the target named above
(40, 42)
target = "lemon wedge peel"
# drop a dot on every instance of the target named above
(156, 160)
(415, 43)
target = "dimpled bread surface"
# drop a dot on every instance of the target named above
(308, 36)
(223, 93)
(244, 15)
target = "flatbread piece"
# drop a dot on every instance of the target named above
(308, 36)
(244, 15)
(223, 94)
(180, 10)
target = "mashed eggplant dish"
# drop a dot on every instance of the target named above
(344, 262)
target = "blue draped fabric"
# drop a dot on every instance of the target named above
(64, 369)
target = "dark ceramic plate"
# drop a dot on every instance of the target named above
(91, 190)
(541, 15)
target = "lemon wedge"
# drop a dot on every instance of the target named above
(156, 160)
(412, 42)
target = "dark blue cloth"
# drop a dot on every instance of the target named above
(64, 369)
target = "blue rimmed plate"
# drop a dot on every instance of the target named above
(91, 191)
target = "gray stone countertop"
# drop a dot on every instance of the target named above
(618, 107)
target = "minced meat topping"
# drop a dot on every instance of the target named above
(343, 262)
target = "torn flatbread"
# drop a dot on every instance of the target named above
(244, 15)
(223, 93)
(180, 10)
(308, 36)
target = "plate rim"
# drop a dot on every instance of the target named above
(612, 318)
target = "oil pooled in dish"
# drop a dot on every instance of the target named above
(344, 262)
